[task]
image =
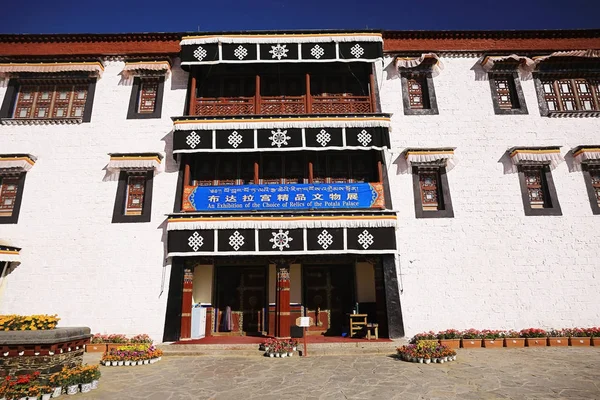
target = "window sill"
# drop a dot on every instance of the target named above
(41, 121)
(573, 114)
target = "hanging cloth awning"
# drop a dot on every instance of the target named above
(145, 67)
(423, 157)
(571, 53)
(94, 67)
(535, 155)
(433, 62)
(134, 161)
(16, 162)
(525, 63)
(585, 155)
(9, 254)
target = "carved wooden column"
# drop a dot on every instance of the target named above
(186, 304)
(282, 300)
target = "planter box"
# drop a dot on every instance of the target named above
(558, 341)
(596, 341)
(493, 343)
(579, 341)
(514, 342)
(95, 348)
(452, 343)
(536, 342)
(111, 346)
(471, 343)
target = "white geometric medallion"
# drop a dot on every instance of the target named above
(236, 240)
(193, 139)
(240, 52)
(357, 51)
(279, 51)
(323, 137)
(325, 239)
(364, 137)
(200, 53)
(365, 239)
(195, 241)
(281, 239)
(279, 138)
(234, 139)
(317, 51)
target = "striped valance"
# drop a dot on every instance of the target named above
(585, 155)
(570, 53)
(535, 155)
(143, 67)
(438, 156)
(93, 67)
(9, 254)
(436, 64)
(134, 161)
(525, 63)
(284, 38)
(16, 162)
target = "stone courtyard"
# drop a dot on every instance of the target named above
(529, 373)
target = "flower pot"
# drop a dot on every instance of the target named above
(596, 341)
(445, 359)
(427, 360)
(72, 389)
(471, 343)
(294, 348)
(120, 363)
(452, 343)
(86, 387)
(493, 343)
(95, 348)
(113, 346)
(146, 362)
(271, 355)
(127, 362)
(420, 361)
(514, 342)
(579, 341)
(46, 396)
(558, 341)
(95, 383)
(283, 354)
(536, 342)
(57, 391)
(290, 353)
(33, 397)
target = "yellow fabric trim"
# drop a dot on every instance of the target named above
(99, 64)
(127, 158)
(14, 252)
(284, 36)
(29, 160)
(213, 219)
(534, 151)
(192, 121)
(147, 62)
(428, 152)
(589, 150)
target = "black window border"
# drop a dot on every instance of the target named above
(448, 211)
(119, 208)
(585, 168)
(14, 218)
(550, 190)
(520, 97)
(10, 98)
(433, 106)
(543, 106)
(135, 95)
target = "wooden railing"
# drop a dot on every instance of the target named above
(273, 105)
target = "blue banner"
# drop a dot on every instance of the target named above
(285, 197)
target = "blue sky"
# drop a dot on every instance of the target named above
(100, 16)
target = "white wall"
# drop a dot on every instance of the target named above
(491, 266)
(75, 262)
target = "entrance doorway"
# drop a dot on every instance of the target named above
(241, 300)
(328, 296)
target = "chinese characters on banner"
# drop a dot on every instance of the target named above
(284, 197)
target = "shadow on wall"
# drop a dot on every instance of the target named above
(391, 72)
(170, 162)
(179, 77)
(402, 166)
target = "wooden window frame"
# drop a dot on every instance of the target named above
(543, 105)
(10, 98)
(119, 208)
(444, 197)
(14, 217)
(430, 93)
(587, 176)
(516, 92)
(132, 111)
(549, 192)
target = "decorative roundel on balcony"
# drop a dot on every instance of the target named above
(278, 48)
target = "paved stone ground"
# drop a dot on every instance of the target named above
(547, 373)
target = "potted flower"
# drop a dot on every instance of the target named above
(578, 337)
(534, 337)
(71, 380)
(116, 340)
(450, 338)
(557, 337)
(594, 334)
(512, 338)
(97, 344)
(425, 336)
(142, 338)
(87, 375)
(33, 392)
(492, 339)
(57, 383)
(471, 338)
(46, 392)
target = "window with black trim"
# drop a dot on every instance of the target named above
(58, 99)
(537, 190)
(507, 94)
(146, 97)
(568, 95)
(133, 202)
(418, 93)
(431, 192)
(591, 175)
(11, 194)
